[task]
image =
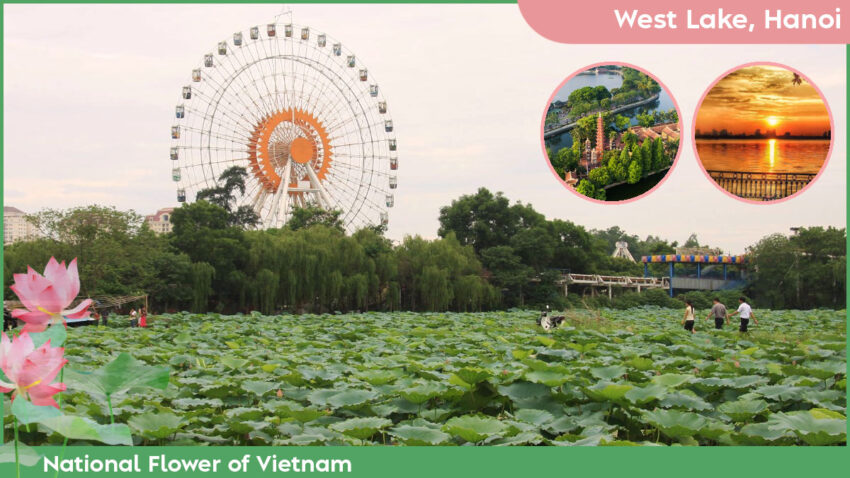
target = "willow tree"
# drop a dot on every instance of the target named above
(430, 272)
(266, 284)
(435, 290)
(202, 280)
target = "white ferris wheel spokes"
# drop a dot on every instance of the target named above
(300, 113)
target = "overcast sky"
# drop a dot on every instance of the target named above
(90, 91)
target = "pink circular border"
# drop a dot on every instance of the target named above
(694, 132)
(543, 124)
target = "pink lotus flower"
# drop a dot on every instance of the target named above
(46, 297)
(31, 370)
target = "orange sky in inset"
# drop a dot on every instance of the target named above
(743, 101)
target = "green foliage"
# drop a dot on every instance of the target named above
(801, 271)
(659, 157)
(646, 120)
(565, 160)
(120, 375)
(457, 378)
(266, 286)
(599, 176)
(311, 215)
(70, 427)
(116, 253)
(635, 172)
(492, 253)
(586, 188)
(224, 196)
(202, 279)
(485, 220)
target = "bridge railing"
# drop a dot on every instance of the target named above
(617, 280)
(761, 186)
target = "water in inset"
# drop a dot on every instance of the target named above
(763, 155)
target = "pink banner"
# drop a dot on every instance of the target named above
(665, 21)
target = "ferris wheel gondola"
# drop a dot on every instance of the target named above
(300, 113)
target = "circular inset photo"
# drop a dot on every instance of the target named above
(763, 132)
(611, 132)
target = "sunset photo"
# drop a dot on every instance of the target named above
(763, 132)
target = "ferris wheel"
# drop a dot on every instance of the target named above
(303, 116)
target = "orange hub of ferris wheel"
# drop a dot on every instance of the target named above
(283, 145)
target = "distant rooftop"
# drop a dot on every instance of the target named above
(10, 209)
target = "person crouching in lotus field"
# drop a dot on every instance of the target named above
(688, 319)
(746, 314)
(718, 311)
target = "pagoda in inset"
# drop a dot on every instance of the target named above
(600, 137)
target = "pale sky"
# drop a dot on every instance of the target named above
(90, 90)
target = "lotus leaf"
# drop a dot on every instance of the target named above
(473, 428)
(675, 424)
(361, 428)
(420, 435)
(743, 410)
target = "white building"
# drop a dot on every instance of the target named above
(16, 227)
(160, 222)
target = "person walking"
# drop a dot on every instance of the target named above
(133, 321)
(688, 320)
(718, 311)
(143, 317)
(746, 314)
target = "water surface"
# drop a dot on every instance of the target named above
(763, 155)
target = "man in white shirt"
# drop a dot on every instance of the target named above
(746, 314)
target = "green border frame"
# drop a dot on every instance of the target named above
(423, 462)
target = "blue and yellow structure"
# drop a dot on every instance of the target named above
(698, 259)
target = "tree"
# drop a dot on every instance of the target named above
(507, 272)
(204, 232)
(170, 286)
(646, 120)
(600, 194)
(266, 284)
(574, 248)
(430, 274)
(646, 155)
(202, 279)
(635, 172)
(566, 160)
(223, 195)
(617, 169)
(586, 188)
(637, 157)
(534, 246)
(599, 176)
(312, 215)
(629, 139)
(803, 271)
(621, 122)
(485, 220)
(113, 248)
(586, 128)
(659, 159)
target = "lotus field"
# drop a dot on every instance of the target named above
(607, 377)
